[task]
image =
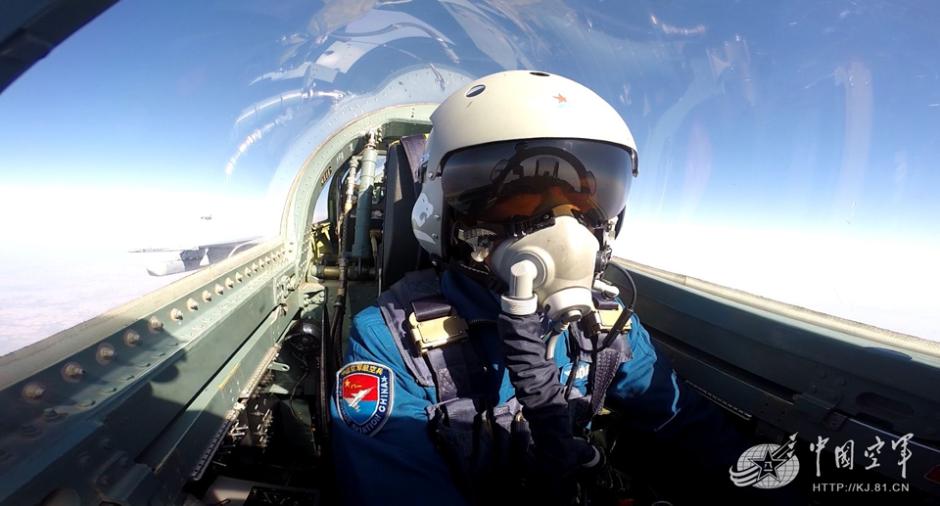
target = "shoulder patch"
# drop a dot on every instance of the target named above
(364, 395)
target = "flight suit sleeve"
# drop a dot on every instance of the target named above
(396, 463)
(645, 386)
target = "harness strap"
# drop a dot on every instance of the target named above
(431, 308)
(605, 368)
(393, 304)
(450, 365)
(441, 368)
(604, 365)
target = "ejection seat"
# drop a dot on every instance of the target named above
(400, 250)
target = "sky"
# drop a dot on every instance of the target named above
(785, 150)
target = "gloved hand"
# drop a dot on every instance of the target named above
(594, 482)
(535, 380)
(602, 484)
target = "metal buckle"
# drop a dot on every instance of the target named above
(437, 331)
(608, 317)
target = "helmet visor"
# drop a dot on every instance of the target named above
(526, 179)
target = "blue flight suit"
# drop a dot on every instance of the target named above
(400, 465)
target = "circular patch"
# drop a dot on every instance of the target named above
(364, 395)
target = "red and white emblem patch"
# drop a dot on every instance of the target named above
(364, 395)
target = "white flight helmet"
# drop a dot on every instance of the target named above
(512, 149)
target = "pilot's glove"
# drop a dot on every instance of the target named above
(592, 482)
(535, 380)
(601, 484)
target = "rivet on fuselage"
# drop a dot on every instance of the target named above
(73, 371)
(33, 391)
(131, 338)
(105, 354)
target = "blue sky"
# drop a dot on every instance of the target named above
(801, 126)
(143, 95)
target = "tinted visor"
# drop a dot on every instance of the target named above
(523, 180)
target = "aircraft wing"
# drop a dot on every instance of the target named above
(191, 258)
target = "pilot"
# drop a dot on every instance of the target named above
(477, 381)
